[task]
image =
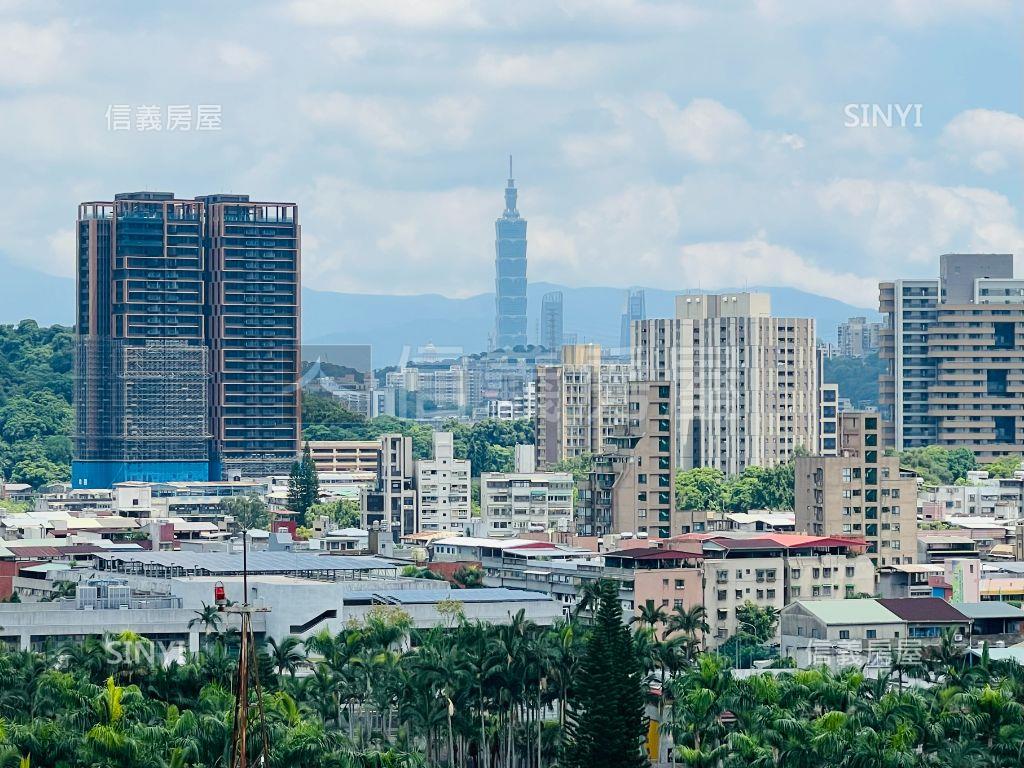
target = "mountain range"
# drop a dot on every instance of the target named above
(392, 324)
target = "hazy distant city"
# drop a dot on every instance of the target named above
(462, 384)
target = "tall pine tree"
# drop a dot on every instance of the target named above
(606, 724)
(310, 480)
(303, 485)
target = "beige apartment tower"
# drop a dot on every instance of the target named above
(580, 404)
(955, 349)
(860, 493)
(631, 489)
(745, 382)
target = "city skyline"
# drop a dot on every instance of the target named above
(749, 163)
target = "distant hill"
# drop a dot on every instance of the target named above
(26, 294)
(389, 323)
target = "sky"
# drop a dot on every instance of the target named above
(679, 145)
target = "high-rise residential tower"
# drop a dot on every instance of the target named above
(510, 273)
(955, 349)
(581, 403)
(551, 320)
(745, 382)
(141, 354)
(186, 339)
(253, 301)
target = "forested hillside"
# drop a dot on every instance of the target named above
(35, 402)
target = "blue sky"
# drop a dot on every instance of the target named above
(671, 144)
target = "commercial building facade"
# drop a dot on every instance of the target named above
(552, 320)
(510, 273)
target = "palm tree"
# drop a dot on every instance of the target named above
(649, 615)
(208, 618)
(286, 655)
(691, 622)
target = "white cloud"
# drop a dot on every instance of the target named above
(31, 55)
(239, 62)
(563, 67)
(348, 48)
(62, 253)
(704, 131)
(992, 140)
(401, 13)
(900, 221)
(390, 241)
(397, 125)
(909, 13)
(758, 262)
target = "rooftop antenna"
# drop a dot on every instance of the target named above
(510, 176)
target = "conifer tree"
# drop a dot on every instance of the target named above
(606, 724)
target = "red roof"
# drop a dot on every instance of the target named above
(30, 551)
(923, 609)
(784, 541)
(653, 553)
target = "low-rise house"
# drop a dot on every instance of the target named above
(773, 570)
(911, 580)
(669, 579)
(993, 619)
(929, 618)
(837, 632)
(939, 546)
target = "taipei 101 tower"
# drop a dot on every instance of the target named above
(510, 273)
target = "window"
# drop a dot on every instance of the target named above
(870, 634)
(844, 634)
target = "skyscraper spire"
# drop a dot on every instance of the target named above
(510, 194)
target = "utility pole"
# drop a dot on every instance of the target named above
(248, 674)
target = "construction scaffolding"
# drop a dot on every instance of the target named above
(138, 402)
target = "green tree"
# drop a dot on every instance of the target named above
(303, 485)
(469, 576)
(700, 488)
(344, 513)
(249, 511)
(937, 465)
(606, 721)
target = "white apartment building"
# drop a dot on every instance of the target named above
(525, 500)
(522, 406)
(745, 382)
(580, 404)
(981, 496)
(443, 488)
(775, 570)
(447, 386)
(858, 338)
